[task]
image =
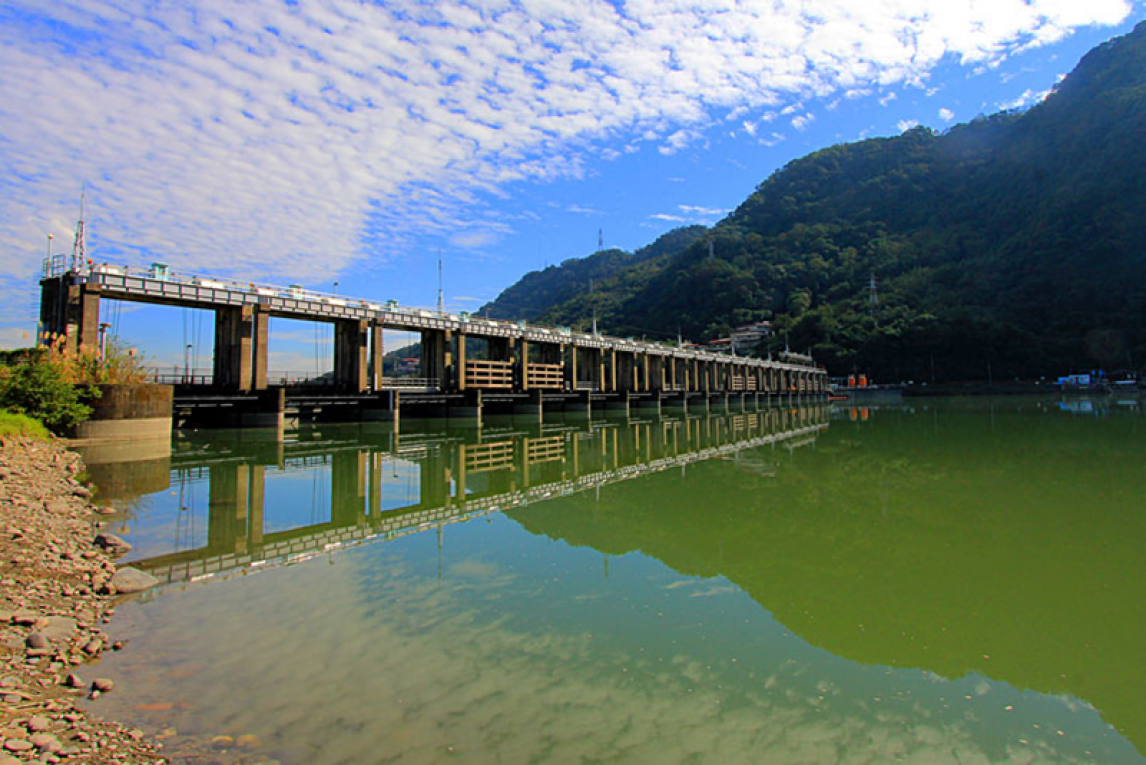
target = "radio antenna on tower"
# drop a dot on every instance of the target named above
(79, 248)
(600, 239)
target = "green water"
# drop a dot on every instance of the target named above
(937, 582)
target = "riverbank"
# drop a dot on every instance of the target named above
(58, 584)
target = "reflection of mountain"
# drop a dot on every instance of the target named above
(1005, 544)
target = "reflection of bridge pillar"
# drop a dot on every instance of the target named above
(350, 347)
(255, 515)
(436, 356)
(434, 478)
(227, 503)
(234, 327)
(348, 488)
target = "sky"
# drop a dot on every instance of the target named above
(330, 141)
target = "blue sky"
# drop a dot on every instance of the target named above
(315, 142)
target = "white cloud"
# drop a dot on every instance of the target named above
(802, 121)
(946, 114)
(905, 125)
(1027, 98)
(286, 141)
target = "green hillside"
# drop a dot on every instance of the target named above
(1013, 243)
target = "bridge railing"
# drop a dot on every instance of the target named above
(177, 376)
(408, 383)
(489, 374)
(549, 376)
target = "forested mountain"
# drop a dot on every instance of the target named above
(539, 291)
(1014, 245)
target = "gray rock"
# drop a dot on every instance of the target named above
(37, 641)
(59, 628)
(39, 724)
(102, 684)
(74, 681)
(129, 579)
(46, 742)
(111, 543)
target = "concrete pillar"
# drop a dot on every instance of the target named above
(383, 406)
(350, 348)
(377, 353)
(521, 363)
(580, 407)
(259, 342)
(69, 312)
(436, 356)
(571, 368)
(267, 410)
(469, 411)
(531, 407)
(234, 327)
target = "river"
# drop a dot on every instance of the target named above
(941, 581)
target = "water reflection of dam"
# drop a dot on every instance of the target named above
(446, 477)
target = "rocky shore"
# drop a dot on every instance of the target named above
(58, 585)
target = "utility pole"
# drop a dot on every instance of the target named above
(600, 239)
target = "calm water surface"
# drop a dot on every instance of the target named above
(938, 582)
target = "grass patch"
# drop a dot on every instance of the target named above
(12, 424)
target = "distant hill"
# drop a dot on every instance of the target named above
(539, 291)
(1014, 245)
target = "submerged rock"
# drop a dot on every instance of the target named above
(129, 579)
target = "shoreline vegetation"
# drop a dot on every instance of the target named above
(58, 585)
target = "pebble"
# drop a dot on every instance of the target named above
(74, 681)
(39, 724)
(18, 745)
(103, 684)
(37, 641)
(46, 742)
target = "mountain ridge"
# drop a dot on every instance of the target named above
(1007, 244)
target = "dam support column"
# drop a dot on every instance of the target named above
(234, 330)
(350, 349)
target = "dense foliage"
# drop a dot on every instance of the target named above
(37, 384)
(1010, 246)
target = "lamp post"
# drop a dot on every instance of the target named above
(336, 288)
(186, 362)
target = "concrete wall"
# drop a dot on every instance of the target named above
(129, 412)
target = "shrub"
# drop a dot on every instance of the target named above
(38, 386)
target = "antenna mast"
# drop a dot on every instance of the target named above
(600, 239)
(593, 300)
(79, 248)
(440, 309)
